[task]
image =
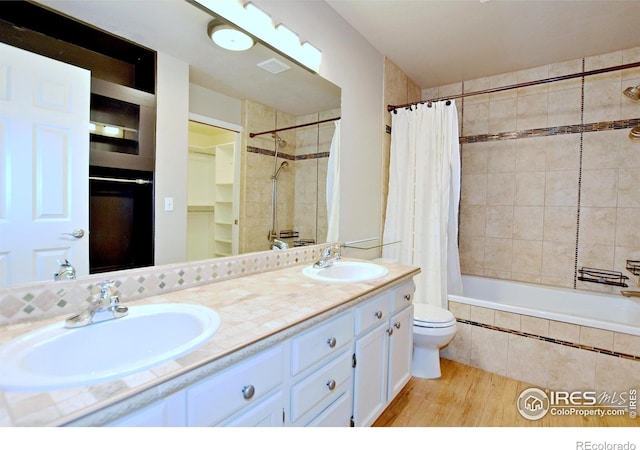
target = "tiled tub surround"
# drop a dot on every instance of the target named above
(546, 349)
(549, 175)
(300, 208)
(256, 310)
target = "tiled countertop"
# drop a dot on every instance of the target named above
(256, 311)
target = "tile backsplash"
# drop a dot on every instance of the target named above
(40, 301)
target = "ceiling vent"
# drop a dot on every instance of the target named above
(273, 65)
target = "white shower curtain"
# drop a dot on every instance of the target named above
(333, 186)
(423, 199)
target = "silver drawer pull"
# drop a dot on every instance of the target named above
(390, 331)
(332, 342)
(248, 392)
(331, 384)
(407, 297)
(397, 325)
(378, 314)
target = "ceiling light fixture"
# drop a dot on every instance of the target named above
(229, 38)
(258, 24)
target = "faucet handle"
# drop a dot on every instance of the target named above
(105, 289)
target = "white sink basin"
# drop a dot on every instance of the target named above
(347, 272)
(55, 357)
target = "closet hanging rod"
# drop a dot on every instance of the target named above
(521, 85)
(295, 126)
(122, 180)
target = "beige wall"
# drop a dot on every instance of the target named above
(539, 207)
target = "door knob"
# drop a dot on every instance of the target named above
(77, 233)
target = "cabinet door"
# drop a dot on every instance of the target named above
(400, 351)
(266, 414)
(370, 377)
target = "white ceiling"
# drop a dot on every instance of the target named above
(441, 42)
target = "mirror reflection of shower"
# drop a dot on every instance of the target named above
(273, 234)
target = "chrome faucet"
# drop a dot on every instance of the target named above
(329, 255)
(277, 244)
(65, 272)
(104, 306)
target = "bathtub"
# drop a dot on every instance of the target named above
(554, 338)
(603, 311)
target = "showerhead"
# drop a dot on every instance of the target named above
(284, 164)
(633, 93)
(281, 143)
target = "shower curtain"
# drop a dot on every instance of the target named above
(333, 186)
(421, 225)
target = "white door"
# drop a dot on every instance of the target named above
(44, 166)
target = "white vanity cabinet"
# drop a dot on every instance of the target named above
(241, 389)
(383, 350)
(343, 371)
(322, 374)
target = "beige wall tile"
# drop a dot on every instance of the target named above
(473, 189)
(599, 187)
(498, 254)
(503, 115)
(460, 310)
(561, 188)
(499, 222)
(534, 325)
(626, 343)
(600, 150)
(627, 226)
(571, 368)
(527, 257)
(527, 360)
(628, 188)
(567, 332)
(459, 349)
(482, 315)
(489, 350)
(597, 226)
(594, 337)
(530, 188)
(564, 107)
(476, 119)
(615, 374)
(531, 155)
(500, 189)
(532, 111)
(560, 224)
(504, 319)
(474, 158)
(528, 222)
(557, 262)
(472, 220)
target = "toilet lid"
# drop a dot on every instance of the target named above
(424, 313)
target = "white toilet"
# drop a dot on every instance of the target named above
(433, 328)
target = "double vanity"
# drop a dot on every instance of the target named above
(287, 347)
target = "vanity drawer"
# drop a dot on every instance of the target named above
(402, 296)
(320, 342)
(371, 313)
(218, 397)
(319, 390)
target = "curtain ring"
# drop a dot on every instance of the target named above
(448, 102)
(429, 104)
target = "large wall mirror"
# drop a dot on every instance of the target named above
(247, 183)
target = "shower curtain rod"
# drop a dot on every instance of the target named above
(295, 126)
(520, 85)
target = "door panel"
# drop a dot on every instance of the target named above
(44, 155)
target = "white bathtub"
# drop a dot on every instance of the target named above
(605, 311)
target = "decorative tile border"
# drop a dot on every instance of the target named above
(44, 300)
(552, 131)
(262, 151)
(550, 340)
